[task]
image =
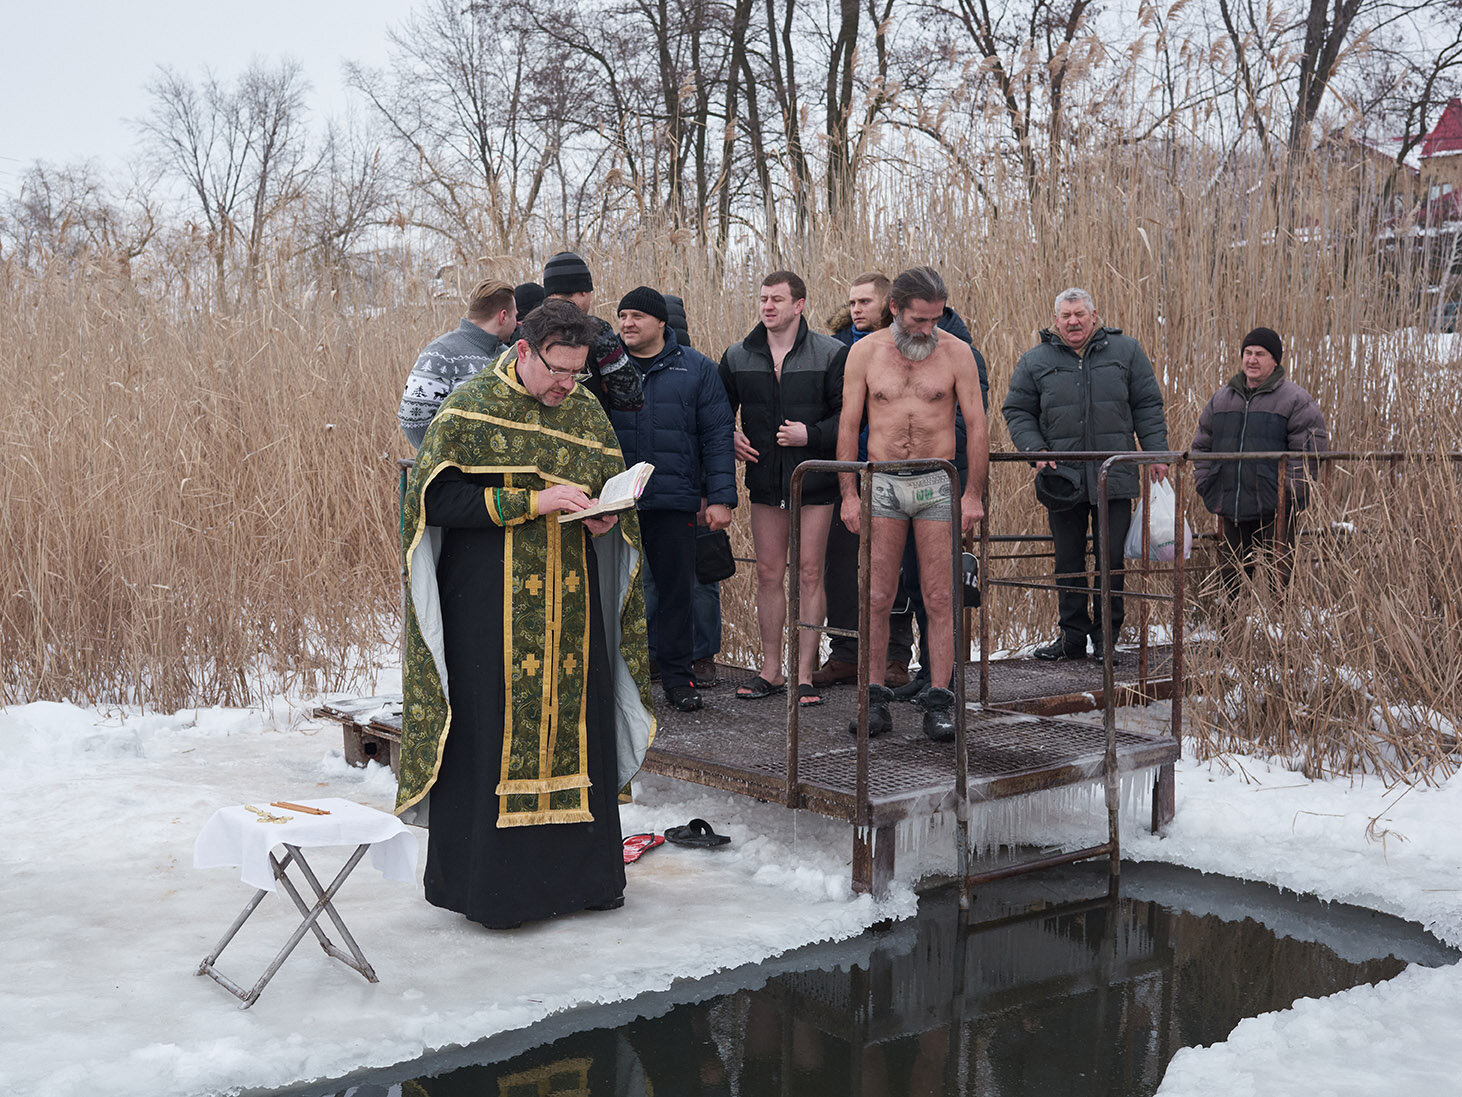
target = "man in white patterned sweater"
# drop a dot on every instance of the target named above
(450, 359)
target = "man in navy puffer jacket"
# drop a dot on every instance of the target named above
(684, 430)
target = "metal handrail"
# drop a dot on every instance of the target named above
(795, 625)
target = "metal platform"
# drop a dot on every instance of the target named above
(1017, 744)
(740, 746)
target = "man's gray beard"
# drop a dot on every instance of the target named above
(913, 347)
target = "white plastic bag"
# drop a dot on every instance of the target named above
(1160, 518)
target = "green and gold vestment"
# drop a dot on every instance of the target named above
(492, 425)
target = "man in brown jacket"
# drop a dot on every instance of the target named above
(1259, 410)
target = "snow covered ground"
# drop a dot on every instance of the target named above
(104, 919)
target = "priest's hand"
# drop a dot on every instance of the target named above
(718, 516)
(562, 497)
(600, 523)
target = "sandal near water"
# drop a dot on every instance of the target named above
(758, 688)
(696, 833)
(637, 844)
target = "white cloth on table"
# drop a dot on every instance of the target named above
(235, 836)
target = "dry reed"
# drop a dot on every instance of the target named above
(197, 503)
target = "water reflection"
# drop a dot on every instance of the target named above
(1046, 987)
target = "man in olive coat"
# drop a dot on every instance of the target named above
(1084, 387)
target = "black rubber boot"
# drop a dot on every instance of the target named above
(938, 706)
(879, 720)
(1071, 645)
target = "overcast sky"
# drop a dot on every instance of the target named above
(73, 75)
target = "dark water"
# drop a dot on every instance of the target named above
(1047, 987)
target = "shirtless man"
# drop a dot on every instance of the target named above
(908, 378)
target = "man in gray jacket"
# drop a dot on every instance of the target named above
(1085, 387)
(453, 358)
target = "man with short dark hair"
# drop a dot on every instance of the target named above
(684, 430)
(453, 358)
(909, 378)
(612, 378)
(1259, 410)
(787, 382)
(1085, 387)
(526, 703)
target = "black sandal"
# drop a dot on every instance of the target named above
(758, 688)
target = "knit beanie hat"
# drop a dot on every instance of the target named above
(566, 273)
(646, 300)
(528, 297)
(1266, 338)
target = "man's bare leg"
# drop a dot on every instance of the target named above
(889, 536)
(769, 527)
(816, 521)
(931, 542)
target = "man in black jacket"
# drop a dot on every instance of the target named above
(787, 383)
(1084, 387)
(612, 378)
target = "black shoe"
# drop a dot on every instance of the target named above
(1062, 649)
(608, 904)
(938, 706)
(684, 698)
(879, 720)
(915, 686)
(704, 673)
(1098, 648)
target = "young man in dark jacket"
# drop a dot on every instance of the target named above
(1260, 410)
(684, 430)
(612, 379)
(1085, 387)
(787, 382)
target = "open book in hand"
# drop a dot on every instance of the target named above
(619, 493)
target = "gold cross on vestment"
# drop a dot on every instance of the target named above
(530, 664)
(534, 585)
(571, 582)
(570, 664)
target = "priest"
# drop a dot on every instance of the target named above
(526, 681)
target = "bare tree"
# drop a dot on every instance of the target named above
(71, 211)
(239, 153)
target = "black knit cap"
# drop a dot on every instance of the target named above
(1267, 338)
(566, 273)
(649, 301)
(528, 297)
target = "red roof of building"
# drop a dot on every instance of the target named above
(1446, 136)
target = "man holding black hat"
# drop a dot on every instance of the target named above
(684, 429)
(612, 378)
(1085, 387)
(1259, 410)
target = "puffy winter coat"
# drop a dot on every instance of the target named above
(677, 322)
(810, 391)
(1096, 401)
(1276, 416)
(683, 429)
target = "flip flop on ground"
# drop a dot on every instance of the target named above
(697, 833)
(637, 844)
(808, 695)
(758, 688)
